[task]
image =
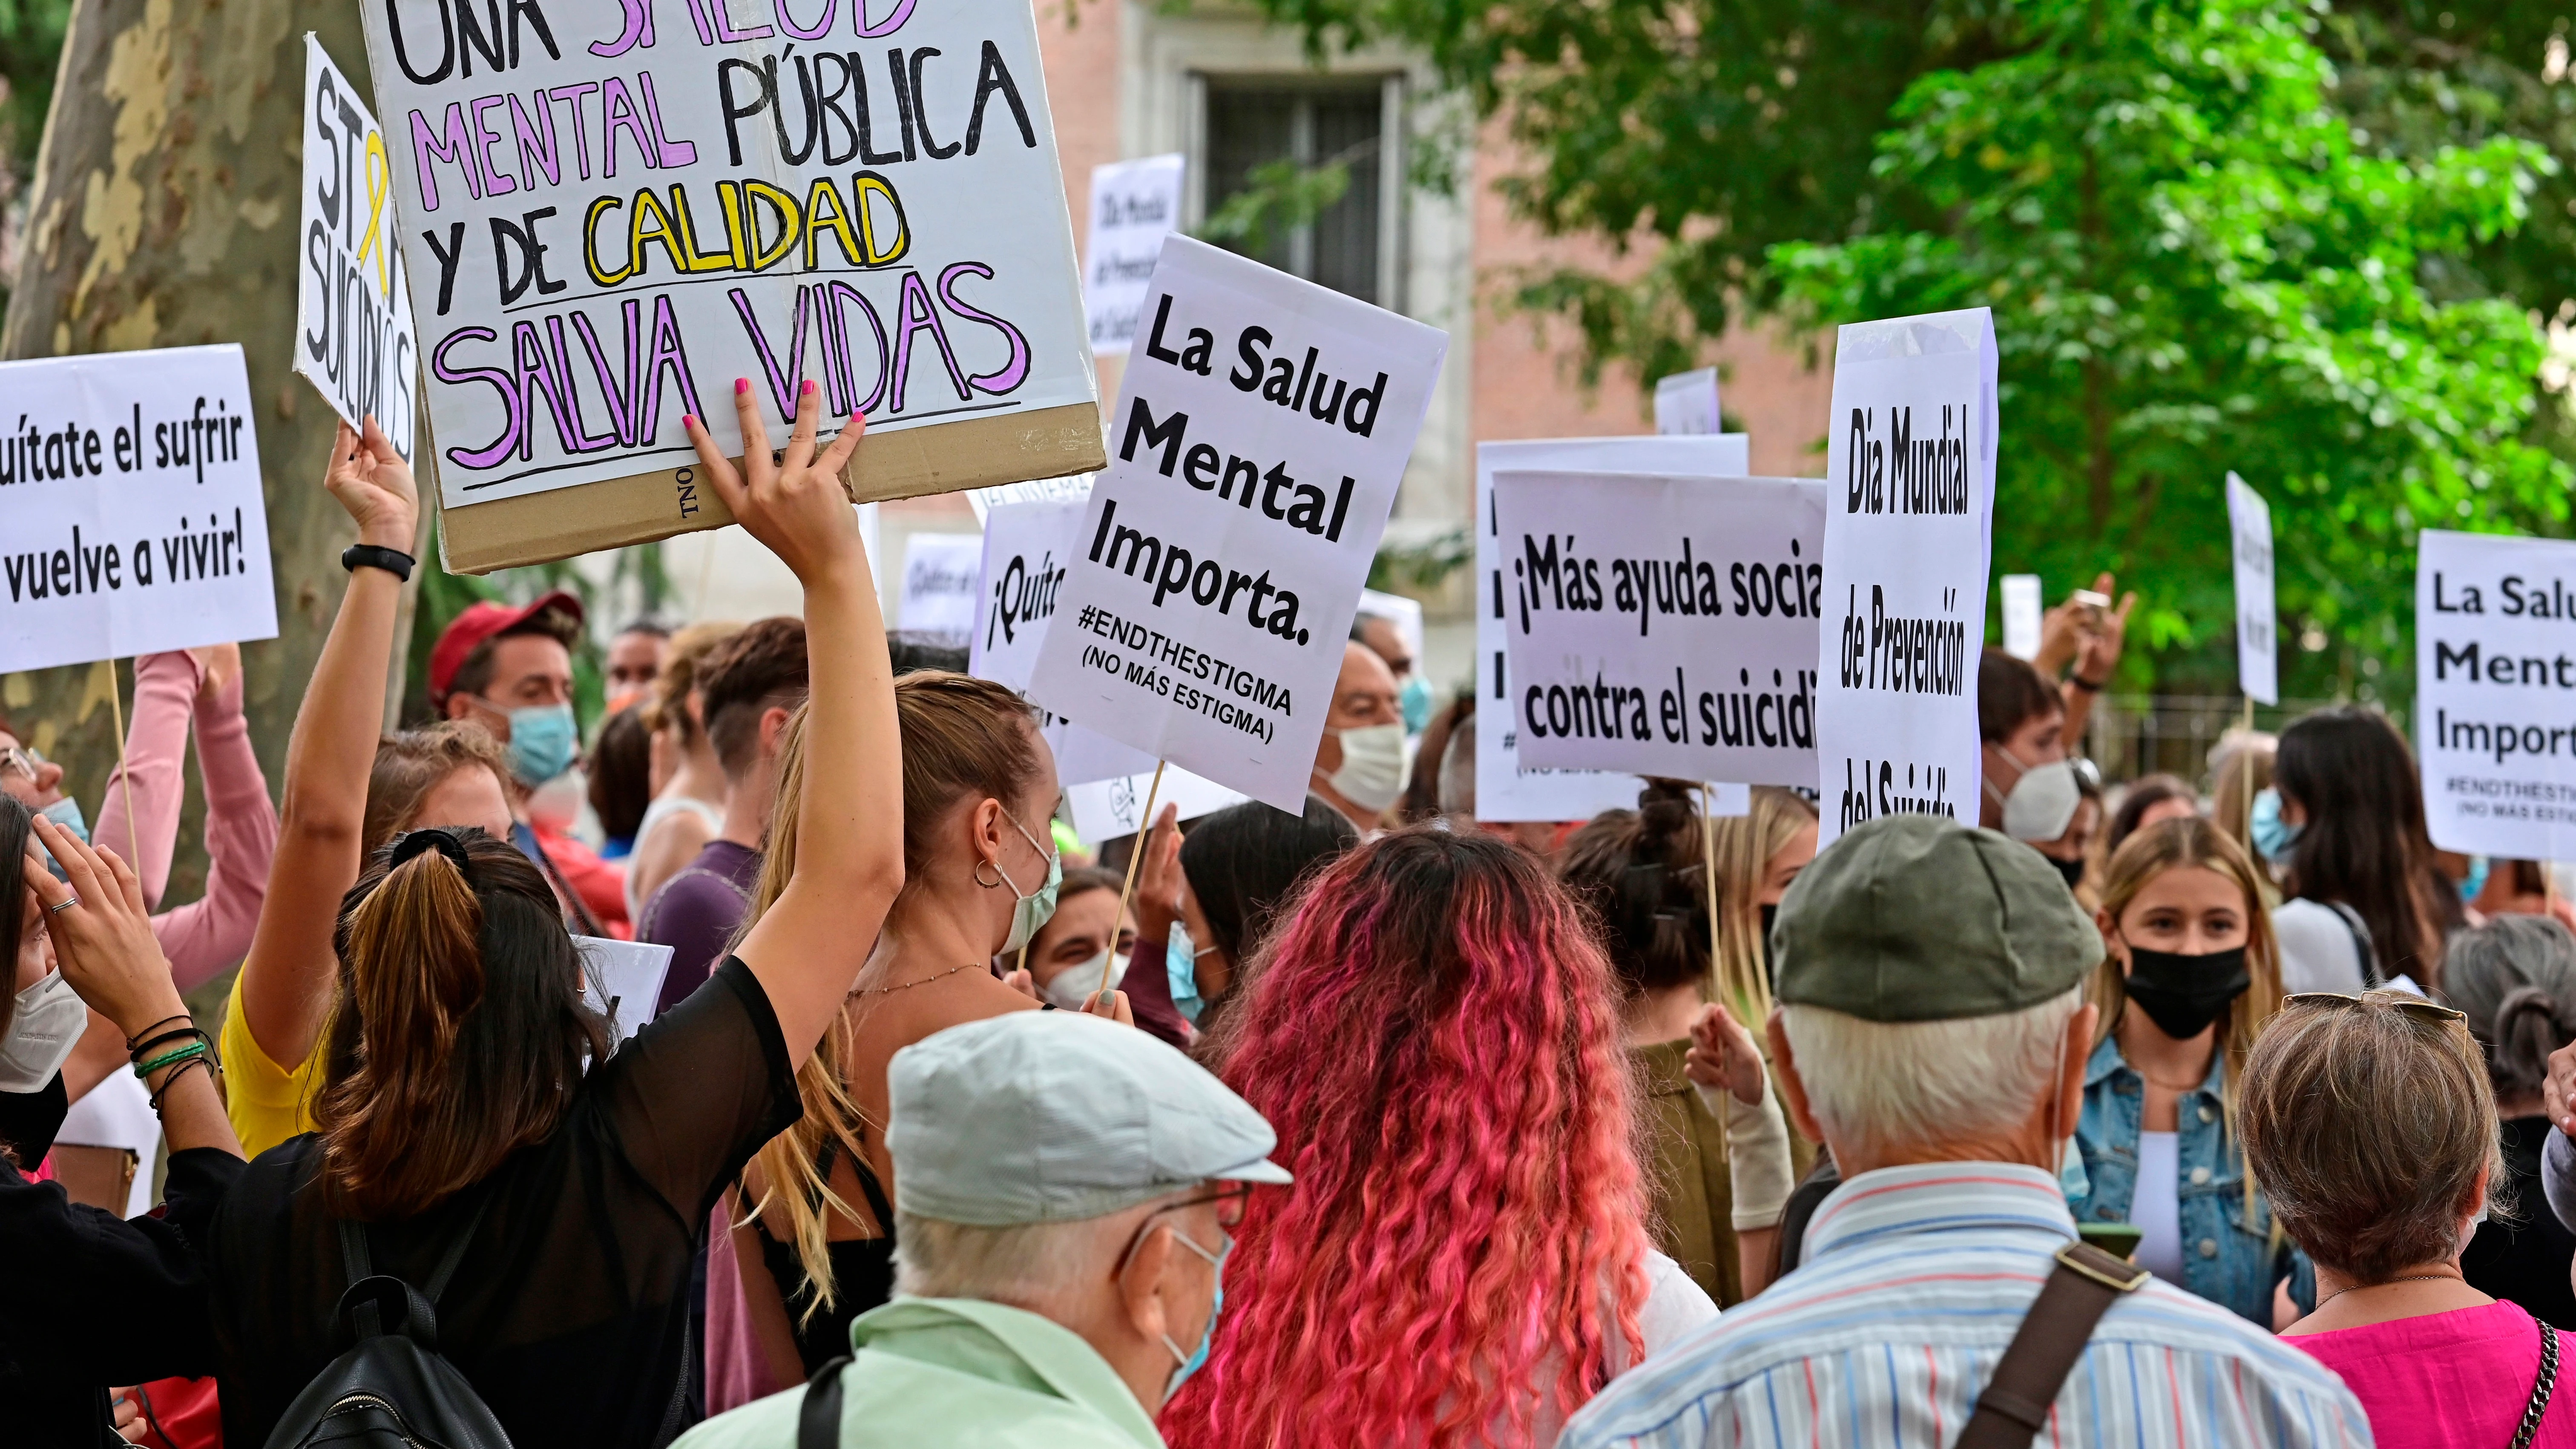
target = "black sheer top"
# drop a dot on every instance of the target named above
(862, 1270)
(569, 1313)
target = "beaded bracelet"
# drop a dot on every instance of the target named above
(192, 1051)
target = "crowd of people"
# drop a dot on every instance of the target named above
(2150, 1112)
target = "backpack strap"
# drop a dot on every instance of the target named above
(420, 1321)
(2014, 1407)
(2372, 978)
(818, 1419)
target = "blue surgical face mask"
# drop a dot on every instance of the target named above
(543, 739)
(2273, 836)
(66, 813)
(1035, 909)
(2476, 883)
(1193, 1361)
(1181, 965)
(1415, 700)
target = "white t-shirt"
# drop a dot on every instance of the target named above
(1675, 1307)
(2317, 949)
(2156, 1210)
(118, 1113)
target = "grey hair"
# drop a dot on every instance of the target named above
(2515, 976)
(1913, 1083)
(1042, 1267)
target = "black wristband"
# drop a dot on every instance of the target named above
(2087, 685)
(369, 556)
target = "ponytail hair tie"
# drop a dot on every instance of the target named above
(413, 842)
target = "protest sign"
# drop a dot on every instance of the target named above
(1035, 490)
(2023, 612)
(1686, 404)
(1505, 791)
(353, 330)
(2258, 630)
(1106, 809)
(135, 522)
(1663, 625)
(622, 980)
(1257, 444)
(2495, 693)
(1134, 205)
(1909, 479)
(607, 223)
(939, 575)
(1405, 614)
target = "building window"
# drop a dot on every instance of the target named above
(1254, 121)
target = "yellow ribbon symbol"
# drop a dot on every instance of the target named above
(380, 177)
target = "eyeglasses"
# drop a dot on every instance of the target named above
(20, 759)
(2414, 1006)
(1230, 1201)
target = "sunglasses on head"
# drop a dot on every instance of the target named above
(2414, 1006)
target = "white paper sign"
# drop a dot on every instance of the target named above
(1663, 625)
(1254, 455)
(1504, 791)
(607, 222)
(1026, 549)
(1134, 205)
(1036, 490)
(134, 522)
(353, 331)
(1909, 494)
(2495, 679)
(2258, 628)
(1106, 809)
(939, 577)
(1686, 404)
(623, 979)
(2023, 613)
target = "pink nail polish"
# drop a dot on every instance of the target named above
(688, 420)
(741, 385)
(808, 389)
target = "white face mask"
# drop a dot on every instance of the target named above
(1372, 772)
(1071, 989)
(44, 1028)
(2042, 803)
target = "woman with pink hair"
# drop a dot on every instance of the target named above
(1464, 1259)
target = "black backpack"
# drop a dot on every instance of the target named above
(391, 1390)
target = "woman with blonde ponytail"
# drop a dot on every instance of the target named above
(474, 1123)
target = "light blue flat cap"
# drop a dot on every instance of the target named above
(1055, 1116)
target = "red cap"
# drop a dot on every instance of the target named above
(486, 621)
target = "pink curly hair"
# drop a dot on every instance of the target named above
(1434, 1039)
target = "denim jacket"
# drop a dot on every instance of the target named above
(2228, 1257)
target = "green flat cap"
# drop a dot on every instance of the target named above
(1918, 918)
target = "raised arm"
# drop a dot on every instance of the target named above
(212, 932)
(155, 741)
(809, 946)
(286, 980)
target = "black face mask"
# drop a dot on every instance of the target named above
(1770, 914)
(2072, 870)
(2183, 994)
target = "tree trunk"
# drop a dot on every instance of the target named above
(164, 214)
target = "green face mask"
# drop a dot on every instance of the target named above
(1037, 907)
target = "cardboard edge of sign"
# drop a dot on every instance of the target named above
(540, 528)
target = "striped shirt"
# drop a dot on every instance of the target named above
(1913, 1281)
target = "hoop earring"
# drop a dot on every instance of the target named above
(978, 874)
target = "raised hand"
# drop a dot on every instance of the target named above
(790, 500)
(1158, 878)
(374, 484)
(1722, 1055)
(220, 665)
(102, 932)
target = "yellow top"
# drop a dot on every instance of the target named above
(267, 1103)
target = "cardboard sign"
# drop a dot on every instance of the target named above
(2495, 693)
(135, 522)
(611, 212)
(1134, 205)
(1663, 625)
(939, 576)
(354, 339)
(1505, 791)
(2258, 627)
(1686, 404)
(1256, 448)
(2024, 613)
(622, 980)
(1910, 483)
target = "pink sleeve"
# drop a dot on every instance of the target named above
(210, 934)
(155, 741)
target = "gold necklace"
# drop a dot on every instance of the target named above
(908, 985)
(2417, 1278)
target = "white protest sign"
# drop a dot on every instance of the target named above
(353, 331)
(135, 521)
(1026, 548)
(1505, 791)
(939, 571)
(1254, 455)
(1909, 494)
(1405, 614)
(2023, 614)
(1107, 809)
(2258, 628)
(622, 980)
(1036, 490)
(1134, 205)
(1663, 625)
(607, 223)
(1686, 404)
(2495, 676)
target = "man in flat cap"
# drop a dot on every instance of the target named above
(1063, 1187)
(1932, 1032)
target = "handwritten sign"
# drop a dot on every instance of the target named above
(1264, 425)
(1664, 625)
(354, 339)
(1134, 205)
(2258, 627)
(1910, 482)
(611, 212)
(1686, 404)
(1504, 790)
(133, 520)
